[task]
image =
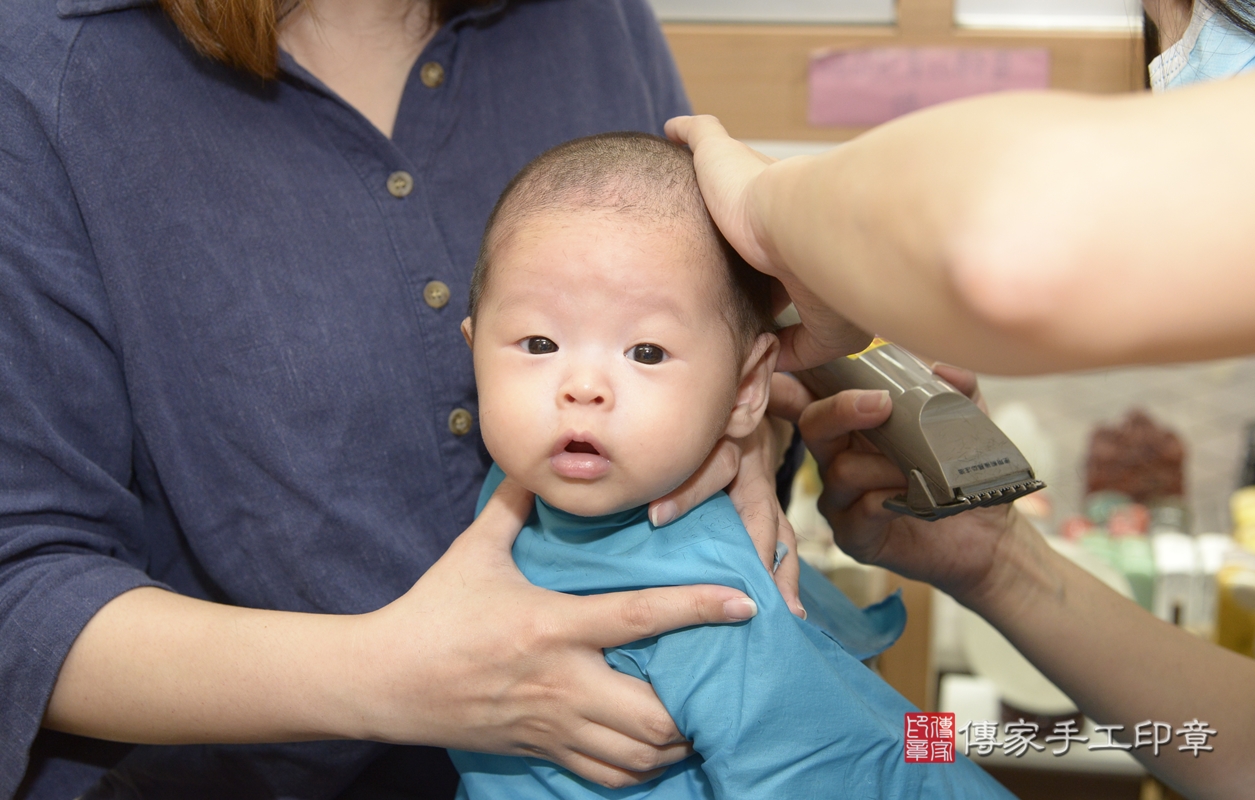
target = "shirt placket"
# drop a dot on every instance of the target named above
(396, 179)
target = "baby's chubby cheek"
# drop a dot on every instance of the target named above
(668, 451)
(504, 435)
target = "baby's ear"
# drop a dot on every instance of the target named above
(755, 387)
(468, 332)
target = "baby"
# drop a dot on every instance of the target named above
(616, 338)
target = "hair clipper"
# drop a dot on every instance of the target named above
(953, 455)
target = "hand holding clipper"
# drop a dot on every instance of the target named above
(953, 455)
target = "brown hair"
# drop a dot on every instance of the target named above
(645, 177)
(244, 33)
(1239, 12)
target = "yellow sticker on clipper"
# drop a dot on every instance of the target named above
(876, 342)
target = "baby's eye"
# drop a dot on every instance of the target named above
(539, 345)
(647, 354)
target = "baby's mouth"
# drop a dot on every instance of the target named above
(579, 456)
(578, 443)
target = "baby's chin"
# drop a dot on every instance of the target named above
(590, 502)
(598, 498)
(610, 494)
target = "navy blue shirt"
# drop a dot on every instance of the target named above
(224, 364)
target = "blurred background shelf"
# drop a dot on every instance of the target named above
(750, 68)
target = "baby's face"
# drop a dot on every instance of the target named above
(606, 372)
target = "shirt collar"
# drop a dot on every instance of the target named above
(563, 526)
(479, 13)
(84, 8)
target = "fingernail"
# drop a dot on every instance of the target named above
(740, 608)
(798, 611)
(868, 402)
(663, 513)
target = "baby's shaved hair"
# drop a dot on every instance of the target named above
(648, 179)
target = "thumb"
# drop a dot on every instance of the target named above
(611, 620)
(819, 338)
(504, 515)
(801, 349)
(789, 398)
(691, 130)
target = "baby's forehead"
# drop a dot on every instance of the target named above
(622, 236)
(658, 221)
(611, 254)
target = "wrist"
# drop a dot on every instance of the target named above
(1021, 574)
(384, 690)
(358, 681)
(350, 696)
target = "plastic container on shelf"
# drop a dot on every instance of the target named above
(1136, 561)
(1099, 544)
(1248, 469)
(1235, 582)
(1213, 552)
(1177, 574)
(1100, 505)
(1123, 544)
(1242, 512)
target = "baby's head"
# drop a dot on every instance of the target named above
(616, 335)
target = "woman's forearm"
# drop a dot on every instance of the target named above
(156, 667)
(1122, 666)
(1034, 232)
(472, 657)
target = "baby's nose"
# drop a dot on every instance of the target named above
(586, 387)
(585, 393)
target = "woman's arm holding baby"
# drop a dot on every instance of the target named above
(1105, 652)
(473, 657)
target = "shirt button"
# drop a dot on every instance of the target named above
(432, 74)
(400, 183)
(436, 294)
(460, 422)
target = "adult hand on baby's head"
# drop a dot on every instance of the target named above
(956, 554)
(746, 468)
(728, 173)
(476, 658)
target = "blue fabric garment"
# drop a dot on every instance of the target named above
(862, 633)
(1213, 47)
(775, 707)
(217, 369)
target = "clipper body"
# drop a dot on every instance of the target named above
(954, 457)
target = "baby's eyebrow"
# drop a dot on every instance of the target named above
(668, 304)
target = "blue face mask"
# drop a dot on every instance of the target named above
(1212, 47)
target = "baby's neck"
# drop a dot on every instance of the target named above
(570, 528)
(643, 508)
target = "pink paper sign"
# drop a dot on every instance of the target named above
(857, 88)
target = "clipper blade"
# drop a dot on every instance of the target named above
(955, 458)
